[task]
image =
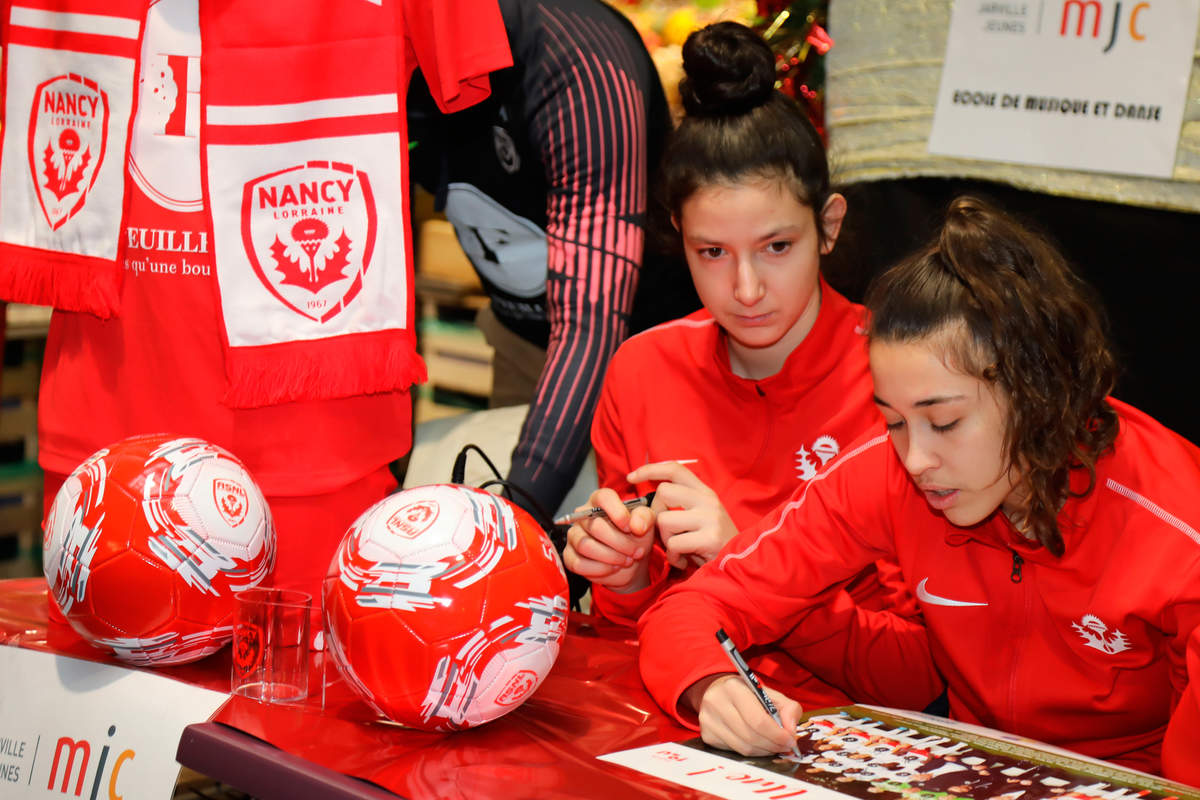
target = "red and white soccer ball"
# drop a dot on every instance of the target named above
(147, 542)
(445, 606)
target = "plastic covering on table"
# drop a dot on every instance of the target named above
(24, 622)
(592, 703)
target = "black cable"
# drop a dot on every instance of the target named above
(577, 586)
(459, 471)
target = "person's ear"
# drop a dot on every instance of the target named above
(832, 216)
(675, 223)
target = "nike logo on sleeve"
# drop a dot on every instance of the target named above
(925, 596)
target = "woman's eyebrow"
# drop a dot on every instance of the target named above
(928, 401)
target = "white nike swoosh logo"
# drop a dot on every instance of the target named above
(932, 599)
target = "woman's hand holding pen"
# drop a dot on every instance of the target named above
(692, 523)
(612, 549)
(732, 718)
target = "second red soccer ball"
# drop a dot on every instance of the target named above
(445, 606)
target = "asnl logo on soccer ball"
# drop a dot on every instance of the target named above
(71, 766)
(1083, 19)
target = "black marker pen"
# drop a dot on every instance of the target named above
(743, 669)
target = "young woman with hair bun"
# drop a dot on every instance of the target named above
(725, 412)
(1048, 531)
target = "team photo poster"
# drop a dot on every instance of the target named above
(871, 753)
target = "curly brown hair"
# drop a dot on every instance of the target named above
(1033, 329)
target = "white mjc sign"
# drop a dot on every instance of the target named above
(72, 728)
(1097, 85)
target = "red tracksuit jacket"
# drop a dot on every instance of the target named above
(669, 393)
(1091, 651)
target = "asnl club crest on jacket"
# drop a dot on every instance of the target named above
(68, 137)
(309, 234)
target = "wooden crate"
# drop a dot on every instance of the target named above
(441, 258)
(449, 293)
(20, 477)
(20, 520)
(457, 357)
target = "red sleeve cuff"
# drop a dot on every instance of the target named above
(1181, 747)
(627, 608)
(469, 93)
(684, 714)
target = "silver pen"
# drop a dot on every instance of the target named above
(596, 511)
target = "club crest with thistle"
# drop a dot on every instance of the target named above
(68, 133)
(309, 232)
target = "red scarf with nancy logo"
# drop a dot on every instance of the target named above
(303, 164)
(68, 107)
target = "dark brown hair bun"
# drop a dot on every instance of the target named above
(729, 70)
